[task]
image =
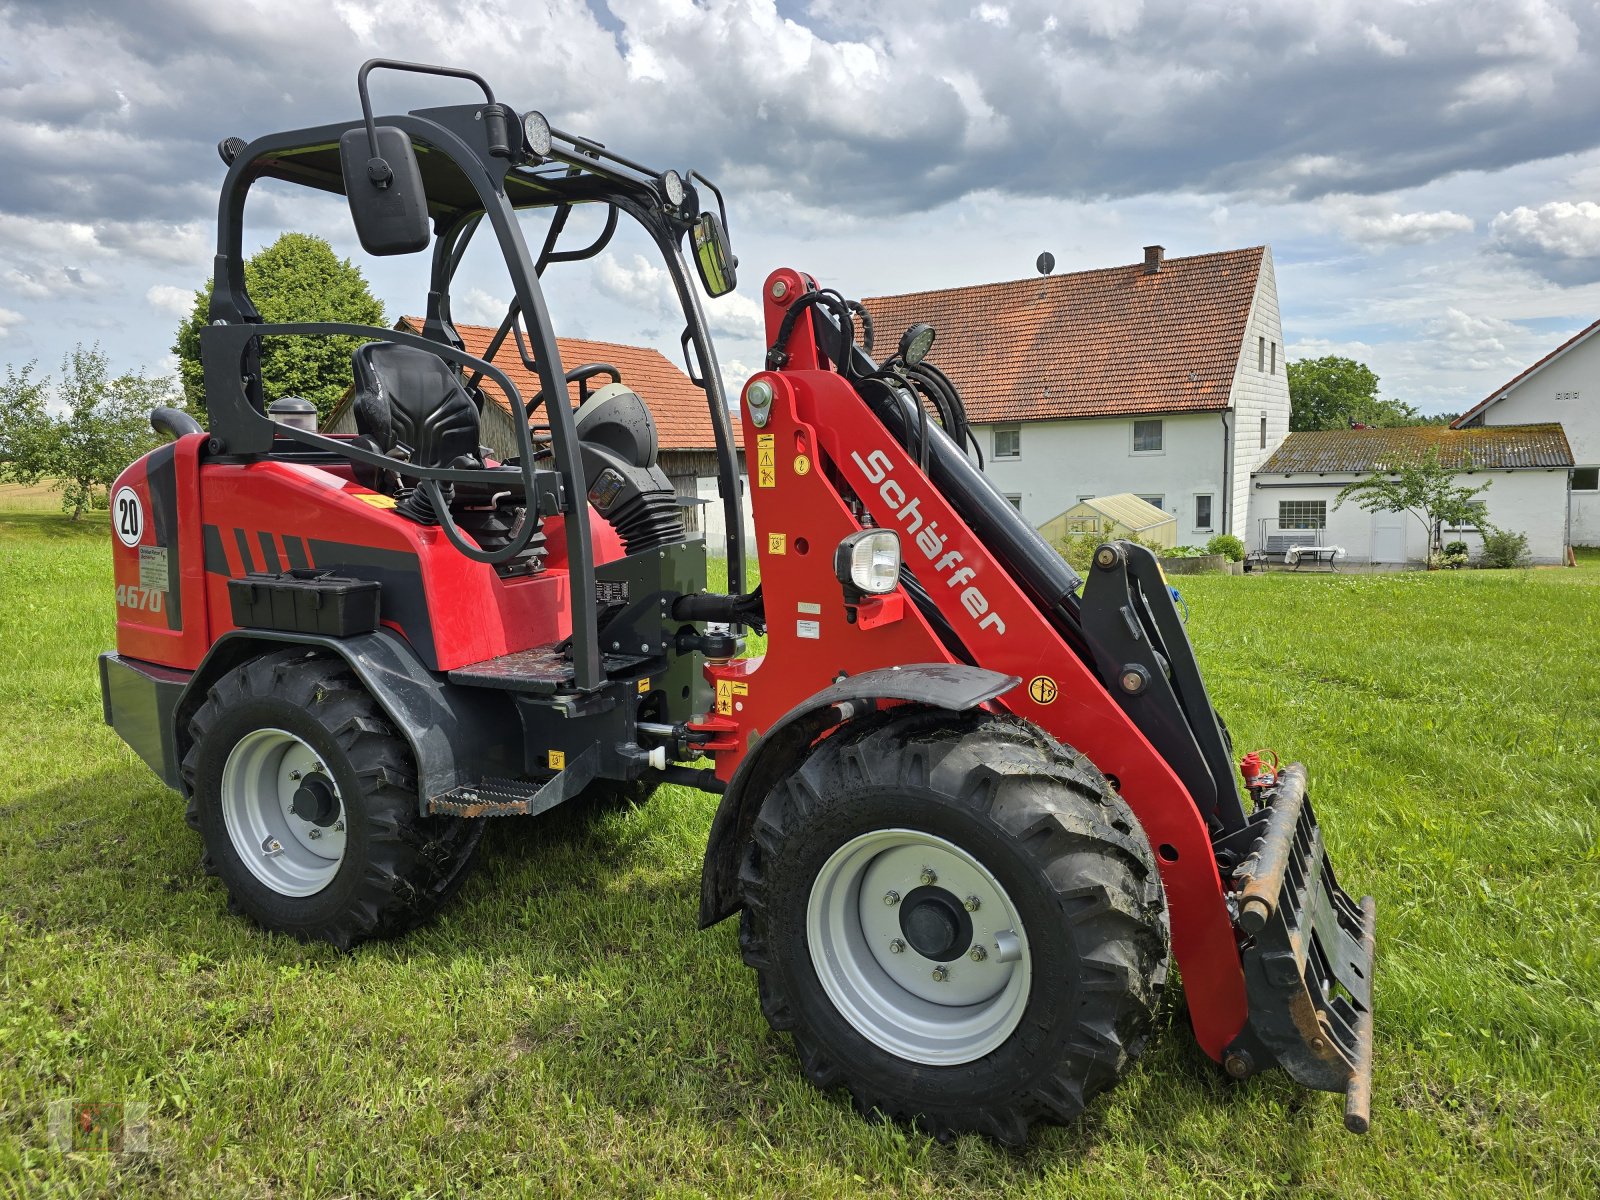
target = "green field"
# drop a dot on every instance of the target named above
(565, 1030)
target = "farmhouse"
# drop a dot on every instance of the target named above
(683, 420)
(1164, 378)
(1526, 466)
(1562, 386)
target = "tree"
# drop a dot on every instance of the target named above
(1426, 490)
(105, 426)
(1334, 393)
(297, 278)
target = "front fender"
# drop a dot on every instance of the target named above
(951, 686)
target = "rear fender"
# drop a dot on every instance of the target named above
(457, 735)
(951, 686)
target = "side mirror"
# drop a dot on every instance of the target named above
(713, 258)
(387, 203)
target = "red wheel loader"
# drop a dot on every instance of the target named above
(970, 802)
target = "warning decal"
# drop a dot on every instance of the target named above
(777, 543)
(727, 689)
(766, 460)
(558, 760)
(1043, 689)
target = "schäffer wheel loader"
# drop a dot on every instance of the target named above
(970, 802)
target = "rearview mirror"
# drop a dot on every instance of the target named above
(387, 203)
(712, 256)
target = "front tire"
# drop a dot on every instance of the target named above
(958, 921)
(305, 798)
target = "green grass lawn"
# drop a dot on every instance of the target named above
(565, 1030)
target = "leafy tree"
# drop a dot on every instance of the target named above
(1426, 490)
(1333, 393)
(105, 426)
(297, 278)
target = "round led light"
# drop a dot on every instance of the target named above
(672, 188)
(915, 344)
(536, 134)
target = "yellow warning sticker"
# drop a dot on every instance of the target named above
(374, 499)
(802, 465)
(766, 460)
(644, 686)
(558, 760)
(1043, 689)
(777, 543)
(727, 690)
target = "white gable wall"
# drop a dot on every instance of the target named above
(1566, 390)
(1257, 393)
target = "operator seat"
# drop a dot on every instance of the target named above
(412, 404)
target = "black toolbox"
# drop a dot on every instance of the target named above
(305, 600)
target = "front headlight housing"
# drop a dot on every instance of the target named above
(867, 563)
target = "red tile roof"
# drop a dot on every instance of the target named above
(1089, 344)
(683, 420)
(1511, 383)
(1358, 451)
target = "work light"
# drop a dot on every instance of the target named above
(536, 134)
(672, 188)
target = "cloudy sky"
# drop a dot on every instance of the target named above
(1426, 171)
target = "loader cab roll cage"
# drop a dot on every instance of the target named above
(470, 164)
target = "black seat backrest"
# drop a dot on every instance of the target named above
(412, 400)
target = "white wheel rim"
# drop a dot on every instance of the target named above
(292, 855)
(893, 997)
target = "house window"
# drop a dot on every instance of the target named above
(1274, 358)
(1016, 501)
(1008, 441)
(1083, 524)
(1261, 354)
(1147, 437)
(1302, 514)
(1586, 479)
(1158, 501)
(1263, 432)
(1081, 499)
(1202, 513)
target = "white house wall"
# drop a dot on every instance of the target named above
(1064, 461)
(1257, 392)
(1530, 502)
(1566, 390)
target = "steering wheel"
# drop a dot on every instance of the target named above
(581, 376)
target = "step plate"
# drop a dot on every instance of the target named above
(1308, 967)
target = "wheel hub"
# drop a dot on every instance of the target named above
(316, 801)
(935, 924)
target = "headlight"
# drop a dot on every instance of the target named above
(869, 562)
(536, 134)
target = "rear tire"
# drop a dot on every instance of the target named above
(944, 1021)
(366, 863)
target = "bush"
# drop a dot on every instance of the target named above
(1225, 544)
(1502, 548)
(1182, 552)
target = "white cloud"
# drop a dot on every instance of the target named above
(1385, 44)
(177, 301)
(1372, 222)
(1556, 230)
(735, 316)
(8, 318)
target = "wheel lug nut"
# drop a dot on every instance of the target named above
(295, 773)
(940, 974)
(338, 826)
(972, 904)
(977, 954)
(313, 832)
(929, 877)
(897, 947)
(891, 898)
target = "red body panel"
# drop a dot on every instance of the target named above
(222, 520)
(819, 428)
